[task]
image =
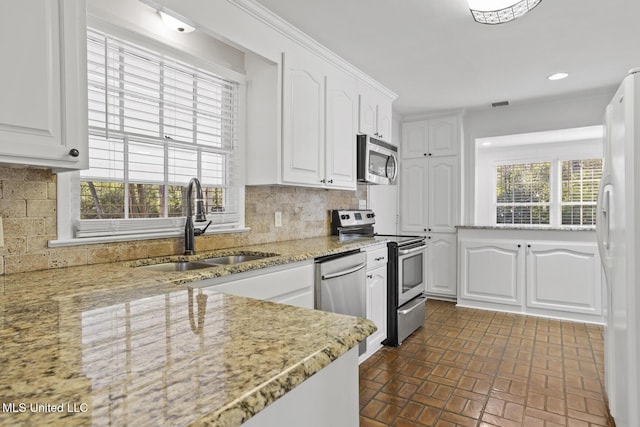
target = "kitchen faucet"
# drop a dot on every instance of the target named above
(189, 230)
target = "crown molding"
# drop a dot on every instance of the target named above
(267, 17)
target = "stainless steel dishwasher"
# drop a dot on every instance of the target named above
(340, 285)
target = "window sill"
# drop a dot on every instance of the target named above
(133, 237)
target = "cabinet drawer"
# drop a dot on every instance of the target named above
(377, 258)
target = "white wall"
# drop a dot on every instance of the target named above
(580, 110)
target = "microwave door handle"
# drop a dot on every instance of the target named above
(395, 169)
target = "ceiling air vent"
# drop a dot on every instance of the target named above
(500, 104)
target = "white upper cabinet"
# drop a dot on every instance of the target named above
(303, 120)
(317, 146)
(43, 113)
(442, 190)
(375, 112)
(429, 195)
(429, 138)
(341, 128)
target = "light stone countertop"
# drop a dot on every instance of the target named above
(109, 344)
(528, 227)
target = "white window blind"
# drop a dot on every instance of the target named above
(154, 123)
(522, 193)
(580, 181)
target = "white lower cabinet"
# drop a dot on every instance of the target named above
(491, 271)
(327, 398)
(565, 278)
(547, 275)
(441, 265)
(288, 284)
(376, 297)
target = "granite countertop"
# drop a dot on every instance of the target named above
(528, 227)
(109, 344)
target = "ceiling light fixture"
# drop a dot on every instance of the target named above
(500, 11)
(558, 76)
(175, 24)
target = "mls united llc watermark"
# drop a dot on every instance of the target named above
(21, 407)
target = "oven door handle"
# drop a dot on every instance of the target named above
(419, 300)
(412, 250)
(344, 272)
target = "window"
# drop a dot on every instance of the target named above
(522, 193)
(580, 180)
(538, 179)
(154, 123)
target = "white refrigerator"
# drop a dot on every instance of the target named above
(618, 231)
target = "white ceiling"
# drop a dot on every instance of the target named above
(436, 57)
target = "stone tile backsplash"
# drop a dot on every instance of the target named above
(28, 211)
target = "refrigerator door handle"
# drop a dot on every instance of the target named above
(603, 220)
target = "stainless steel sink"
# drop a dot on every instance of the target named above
(233, 259)
(177, 266)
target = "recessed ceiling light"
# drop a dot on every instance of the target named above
(175, 24)
(558, 76)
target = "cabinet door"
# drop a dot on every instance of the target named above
(377, 306)
(443, 136)
(303, 120)
(384, 118)
(341, 129)
(413, 195)
(564, 277)
(368, 114)
(375, 115)
(443, 194)
(415, 139)
(43, 113)
(441, 264)
(491, 272)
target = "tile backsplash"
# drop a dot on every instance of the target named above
(28, 211)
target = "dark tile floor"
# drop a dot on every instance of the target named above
(468, 367)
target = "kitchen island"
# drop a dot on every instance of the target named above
(111, 344)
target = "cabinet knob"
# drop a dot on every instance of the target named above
(370, 276)
(528, 246)
(429, 154)
(424, 229)
(519, 246)
(380, 258)
(425, 154)
(330, 181)
(74, 152)
(323, 181)
(429, 237)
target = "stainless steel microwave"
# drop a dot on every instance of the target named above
(377, 161)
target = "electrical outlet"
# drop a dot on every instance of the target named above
(1, 234)
(278, 219)
(362, 204)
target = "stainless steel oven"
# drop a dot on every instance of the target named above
(406, 280)
(411, 281)
(406, 275)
